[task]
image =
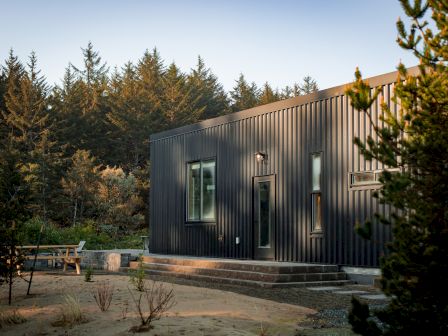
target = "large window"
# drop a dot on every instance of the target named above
(201, 191)
(316, 193)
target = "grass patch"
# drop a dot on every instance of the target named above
(11, 317)
(71, 312)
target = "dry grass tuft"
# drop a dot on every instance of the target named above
(103, 295)
(11, 317)
(71, 312)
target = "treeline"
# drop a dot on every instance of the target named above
(79, 150)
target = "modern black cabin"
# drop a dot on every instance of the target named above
(282, 181)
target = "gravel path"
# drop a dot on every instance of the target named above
(332, 308)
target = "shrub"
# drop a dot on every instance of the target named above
(89, 274)
(158, 300)
(103, 295)
(137, 276)
(97, 237)
(51, 235)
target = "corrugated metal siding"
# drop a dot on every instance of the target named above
(289, 134)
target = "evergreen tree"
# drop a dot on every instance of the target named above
(150, 72)
(13, 212)
(3, 126)
(26, 115)
(244, 95)
(207, 91)
(415, 140)
(309, 85)
(80, 185)
(91, 85)
(131, 119)
(268, 95)
(180, 106)
(287, 92)
(67, 112)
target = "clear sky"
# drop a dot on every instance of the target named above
(279, 41)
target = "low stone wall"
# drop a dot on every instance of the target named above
(105, 260)
(362, 275)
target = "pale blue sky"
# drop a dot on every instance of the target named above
(279, 41)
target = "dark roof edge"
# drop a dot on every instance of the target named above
(276, 106)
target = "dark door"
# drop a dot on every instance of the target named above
(264, 217)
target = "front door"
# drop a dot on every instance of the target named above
(264, 217)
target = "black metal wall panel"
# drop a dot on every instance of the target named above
(288, 132)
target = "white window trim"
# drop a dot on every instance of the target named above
(368, 184)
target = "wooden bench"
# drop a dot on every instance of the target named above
(59, 252)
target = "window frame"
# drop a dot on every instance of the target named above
(316, 193)
(200, 221)
(375, 184)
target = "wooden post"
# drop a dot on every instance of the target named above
(35, 259)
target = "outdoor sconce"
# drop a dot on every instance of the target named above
(260, 156)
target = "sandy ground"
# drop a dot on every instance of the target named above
(198, 311)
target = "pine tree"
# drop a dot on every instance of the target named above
(286, 92)
(26, 115)
(13, 212)
(80, 185)
(66, 112)
(268, 95)
(150, 72)
(91, 86)
(180, 105)
(415, 140)
(207, 91)
(244, 95)
(308, 86)
(3, 126)
(132, 122)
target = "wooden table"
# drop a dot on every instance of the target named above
(67, 253)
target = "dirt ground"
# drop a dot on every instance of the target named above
(198, 310)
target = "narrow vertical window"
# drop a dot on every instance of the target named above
(316, 193)
(201, 191)
(208, 190)
(194, 191)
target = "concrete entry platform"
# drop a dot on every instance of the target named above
(267, 274)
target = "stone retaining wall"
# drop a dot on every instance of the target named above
(105, 260)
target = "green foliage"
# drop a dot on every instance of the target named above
(51, 235)
(268, 95)
(80, 148)
(96, 236)
(208, 94)
(137, 276)
(13, 212)
(81, 183)
(118, 201)
(88, 275)
(415, 140)
(244, 95)
(361, 319)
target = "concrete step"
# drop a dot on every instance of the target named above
(244, 265)
(244, 275)
(244, 282)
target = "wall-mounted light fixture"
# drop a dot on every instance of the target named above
(260, 156)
